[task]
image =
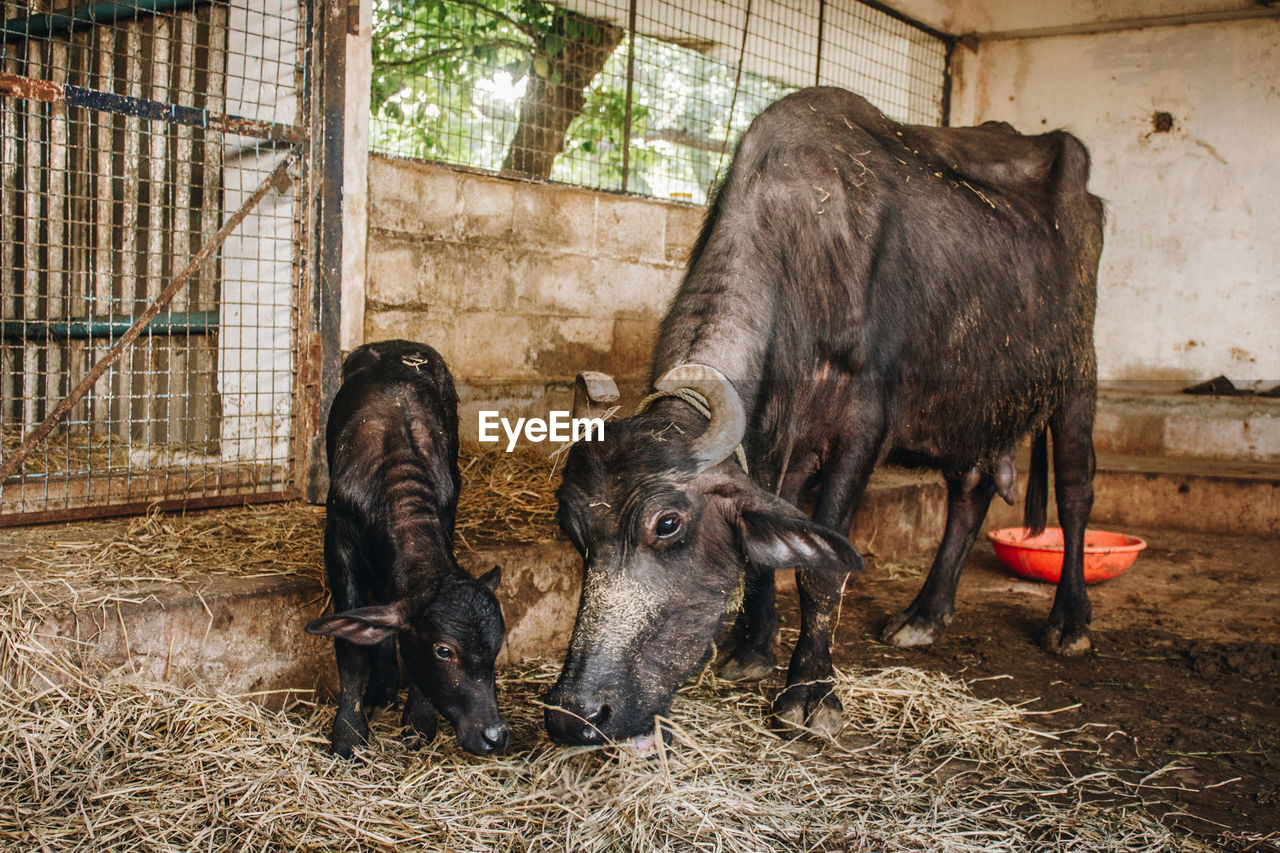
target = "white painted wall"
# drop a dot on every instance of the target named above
(1190, 279)
(255, 339)
(1004, 17)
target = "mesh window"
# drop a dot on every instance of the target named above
(130, 133)
(583, 94)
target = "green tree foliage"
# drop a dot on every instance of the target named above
(455, 81)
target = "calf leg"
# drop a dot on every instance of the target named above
(968, 498)
(384, 678)
(1067, 631)
(420, 714)
(343, 565)
(350, 727)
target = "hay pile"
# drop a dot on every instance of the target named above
(95, 760)
(506, 497)
(109, 762)
(96, 563)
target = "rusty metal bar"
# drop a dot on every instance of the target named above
(16, 86)
(319, 357)
(175, 324)
(14, 461)
(817, 62)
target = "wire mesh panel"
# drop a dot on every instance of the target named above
(648, 96)
(129, 131)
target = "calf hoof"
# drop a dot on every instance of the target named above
(422, 718)
(907, 630)
(347, 735)
(746, 665)
(1067, 642)
(812, 708)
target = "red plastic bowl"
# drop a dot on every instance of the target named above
(1106, 555)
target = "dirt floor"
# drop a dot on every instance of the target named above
(1182, 691)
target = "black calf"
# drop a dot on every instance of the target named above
(393, 494)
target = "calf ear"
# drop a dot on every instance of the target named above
(491, 578)
(776, 535)
(365, 626)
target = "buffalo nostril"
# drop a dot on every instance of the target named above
(595, 720)
(576, 724)
(495, 737)
(599, 716)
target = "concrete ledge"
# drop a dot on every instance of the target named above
(233, 634)
(1205, 495)
(1156, 423)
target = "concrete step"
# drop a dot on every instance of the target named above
(904, 512)
(1193, 494)
(245, 636)
(1155, 420)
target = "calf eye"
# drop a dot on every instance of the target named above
(667, 525)
(443, 652)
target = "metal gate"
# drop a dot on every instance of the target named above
(153, 207)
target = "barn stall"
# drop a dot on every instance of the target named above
(253, 190)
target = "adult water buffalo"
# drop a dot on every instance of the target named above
(861, 290)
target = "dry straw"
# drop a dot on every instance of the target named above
(95, 760)
(508, 497)
(110, 763)
(505, 497)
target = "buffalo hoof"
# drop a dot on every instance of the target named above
(348, 733)
(378, 696)
(1067, 642)
(808, 707)
(420, 716)
(907, 630)
(746, 665)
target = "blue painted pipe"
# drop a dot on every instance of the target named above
(176, 323)
(50, 23)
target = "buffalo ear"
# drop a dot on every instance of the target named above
(492, 578)
(776, 535)
(365, 626)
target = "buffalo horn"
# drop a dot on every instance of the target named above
(591, 388)
(728, 418)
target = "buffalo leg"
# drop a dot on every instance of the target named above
(751, 656)
(342, 564)
(1067, 631)
(350, 726)
(384, 677)
(808, 699)
(968, 498)
(420, 714)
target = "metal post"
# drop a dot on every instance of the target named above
(631, 76)
(822, 19)
(319, 353)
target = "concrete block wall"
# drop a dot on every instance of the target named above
(519, 285)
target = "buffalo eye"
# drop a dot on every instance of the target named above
(443, 652)
(667, 525)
